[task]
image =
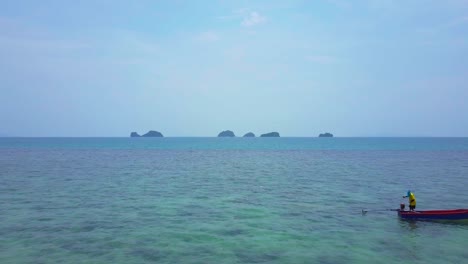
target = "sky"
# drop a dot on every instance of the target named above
(195, 68)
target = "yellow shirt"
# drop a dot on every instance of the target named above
(412, 199)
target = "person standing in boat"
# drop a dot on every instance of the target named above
(411, 199)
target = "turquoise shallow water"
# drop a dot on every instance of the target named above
(211, 200)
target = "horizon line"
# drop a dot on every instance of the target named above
(234, 137)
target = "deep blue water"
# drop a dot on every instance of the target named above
(182, 143)
(229, 200)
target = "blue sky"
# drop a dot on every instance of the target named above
(194, 68)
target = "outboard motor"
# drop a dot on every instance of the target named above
(402, 207)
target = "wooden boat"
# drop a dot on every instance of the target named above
(455, 214)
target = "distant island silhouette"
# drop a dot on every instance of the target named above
(150, 133)
(226, 133)
(271, 134)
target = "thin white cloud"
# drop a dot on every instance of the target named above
(207, 36)
(249, 18)
(253, 18)
(235, 14)
(37, 44)
(22, 41)
(241, 11)
(136, 41)
(456, 22)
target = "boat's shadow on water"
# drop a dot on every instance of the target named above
(415, 224)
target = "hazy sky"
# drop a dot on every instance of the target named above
(194, 68)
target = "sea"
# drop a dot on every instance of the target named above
(230, 200)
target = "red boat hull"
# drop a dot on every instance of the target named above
(456, 214)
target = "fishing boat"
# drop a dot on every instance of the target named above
(455, 214)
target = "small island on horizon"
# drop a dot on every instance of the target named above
(229, 133)
(326, 135)
(226, 133)
(150, 133)
(271, 134)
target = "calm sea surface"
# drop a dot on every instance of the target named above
(229, 200)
